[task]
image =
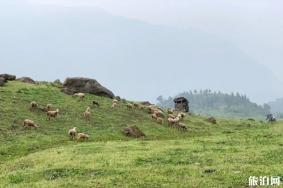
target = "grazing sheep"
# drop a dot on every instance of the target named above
(136, 105)
(159, 113)
(87, 115)
(115, 101)
(159, 120)
(130, 106)
(114, 105)
(33, 105)
(141, 107)
(52, 114)
(170, 111)
(73, 132)
(182, 127)
(212, 120)
(80, 95)
(181, 116)
(82, 137)
(30, 123)
(154, 116)
(48, 107)
(173, 121)
(171, 116)
(94, 103)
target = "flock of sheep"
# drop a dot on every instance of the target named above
(159, 115)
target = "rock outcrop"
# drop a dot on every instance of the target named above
(85, 85)
(6, 77)
(133, 131)
(2, 81)
(26, 80)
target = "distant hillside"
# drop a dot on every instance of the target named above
(206, 102)
(277, 105)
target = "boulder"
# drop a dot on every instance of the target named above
(146, 103)
(85, 85)
(133, 131)
(8, 77)
(26, 80)
(212, 120)
(2, 81)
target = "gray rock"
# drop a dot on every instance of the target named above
(85, 85)
(2, 81)
(133, 131)
(26, 80)
(8, 77)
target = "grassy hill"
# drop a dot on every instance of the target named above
(221, 155)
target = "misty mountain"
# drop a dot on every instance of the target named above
(134, 59)
(212, 103)
(277, 105)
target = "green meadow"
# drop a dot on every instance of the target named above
(222, 155)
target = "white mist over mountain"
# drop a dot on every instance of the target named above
(135, 59)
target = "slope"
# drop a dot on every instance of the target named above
(208, 155)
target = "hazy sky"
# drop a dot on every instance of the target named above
(222, 44)
(255, 26)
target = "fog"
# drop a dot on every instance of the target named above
(109, 40)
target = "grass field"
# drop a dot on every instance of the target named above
(221, 155)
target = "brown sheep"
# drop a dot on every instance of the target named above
(72, 133)
(82, 137)
(159, 113)
(170, 111)
(33, 105)
(52, 114)
(182, 127)
(159, 120)
(130, 106)
(154, 116)
(29, 123)
(49, 107)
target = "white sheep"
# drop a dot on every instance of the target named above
(73, 132)
(29, 123)
(173, 121)
(87, 115)
(80, 95)
(82, 137)
(52, 114)
(130, 106)
(114, 105)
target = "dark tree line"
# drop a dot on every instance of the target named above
(207, 102)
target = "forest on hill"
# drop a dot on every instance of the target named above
(212, 103)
